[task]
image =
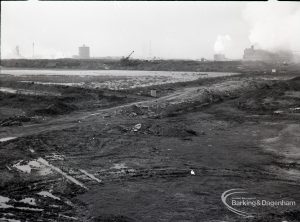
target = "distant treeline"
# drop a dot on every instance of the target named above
(102, 64)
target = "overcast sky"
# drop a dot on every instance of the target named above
(188, 30)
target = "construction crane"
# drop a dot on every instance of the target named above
(129, 55)
(125, 61)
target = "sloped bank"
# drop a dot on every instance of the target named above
(193, 98)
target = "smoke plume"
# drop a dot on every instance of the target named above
(222, 43)
(274, 25)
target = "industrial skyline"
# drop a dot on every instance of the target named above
(163, 29)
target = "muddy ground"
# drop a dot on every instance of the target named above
(132, 157)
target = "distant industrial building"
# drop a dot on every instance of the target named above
(220, 57)
(251, 54)
(84, 52)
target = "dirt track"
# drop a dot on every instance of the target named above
(203, 95)
(134, 162)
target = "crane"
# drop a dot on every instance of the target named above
(125, 61)
(127, 58)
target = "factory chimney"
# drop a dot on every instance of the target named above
(17, 51)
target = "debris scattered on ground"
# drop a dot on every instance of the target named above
(90, 175)
(56, 169)
(148, 148)
(106, 115)
(54, 156)
(32, 165)
(137, 127)
(133, 110)
(153, 93)
(119, 166)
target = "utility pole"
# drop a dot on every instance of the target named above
(150, 50)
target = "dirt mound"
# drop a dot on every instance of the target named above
(136, 110)
(57, 108)
(296, 79)
(270, 97)
(295, 83)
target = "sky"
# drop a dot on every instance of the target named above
(168, 30)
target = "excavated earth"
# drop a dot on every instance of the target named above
(155, 159)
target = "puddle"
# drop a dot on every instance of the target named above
(55, 156)
(290, 110)
(90, 175)
(28, 200)
(56, 169)
(119, 166)
(68, 217)
(9, 220)
(7, 90)
(28, 208)
(48, 194)
(295, 109)
(55, 83)
(3, 201)
(7, 139)
(28, 92)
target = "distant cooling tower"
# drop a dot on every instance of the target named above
(84, 52)
(219, 57)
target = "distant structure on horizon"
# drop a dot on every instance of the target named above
(220, 57)
(84, 52)
(33, 50)
(252, 54)
(17, 51)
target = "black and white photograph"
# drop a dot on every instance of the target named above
(150, 111)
